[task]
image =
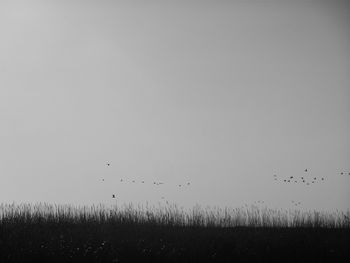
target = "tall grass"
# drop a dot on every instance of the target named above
(170, 215)
(135, 233)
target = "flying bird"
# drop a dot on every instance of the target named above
(108, 164)
(113, 196)
(305, 170)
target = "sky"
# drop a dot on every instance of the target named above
(219, 94)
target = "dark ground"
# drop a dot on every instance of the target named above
(92, 242)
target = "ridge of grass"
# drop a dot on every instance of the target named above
(65, 233)
(171, 215)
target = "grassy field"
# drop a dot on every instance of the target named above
(64, 233)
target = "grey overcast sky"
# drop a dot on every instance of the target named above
(221, 94)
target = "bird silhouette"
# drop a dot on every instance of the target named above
(305, 170)
(113, 196)
(108, 164)
(341, 173)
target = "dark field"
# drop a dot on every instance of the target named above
(52, 233)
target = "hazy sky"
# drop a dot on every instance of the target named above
(222, 94)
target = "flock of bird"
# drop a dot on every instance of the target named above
(144, 182)
(306, 179)
(303, 179)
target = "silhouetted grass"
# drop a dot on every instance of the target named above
(65, 233)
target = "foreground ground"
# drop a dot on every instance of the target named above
(113, 243)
